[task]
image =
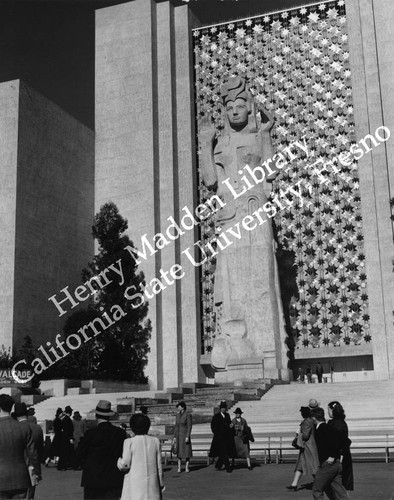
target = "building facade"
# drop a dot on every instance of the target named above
(326, 72)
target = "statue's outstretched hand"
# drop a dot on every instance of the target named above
(206, 129)
(267, 121)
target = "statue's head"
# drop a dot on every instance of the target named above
(238, 104)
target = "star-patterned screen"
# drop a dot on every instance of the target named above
(297, 65)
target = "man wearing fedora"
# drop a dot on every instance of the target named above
(20, 413)
(99, 451)
(66, 452)
(17, 450)
(313, 404)
(223, 438)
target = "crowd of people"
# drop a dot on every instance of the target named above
(115, 465)
(23, 449)
(68, 433)
(324, 451)
(305, 375)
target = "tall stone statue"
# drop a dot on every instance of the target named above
(250, 335)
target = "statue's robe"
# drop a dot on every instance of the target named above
(249, 316)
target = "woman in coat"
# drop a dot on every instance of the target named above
(141, 459)
(56, 442)
(183, 429)
(241, 437)
(337, 416)
(308, 458)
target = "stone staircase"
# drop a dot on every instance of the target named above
(364, 403)
(201, 400)
(368, 405)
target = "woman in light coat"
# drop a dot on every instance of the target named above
(308, 458)
(141, 459)
(183, 429)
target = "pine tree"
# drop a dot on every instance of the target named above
(121, 350)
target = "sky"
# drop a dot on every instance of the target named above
(49, 44)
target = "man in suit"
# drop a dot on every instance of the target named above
(328, 477)
(223, 438)
(319, 372)
(16, 445)
(66, 451)
(20, 413)
(99, 451)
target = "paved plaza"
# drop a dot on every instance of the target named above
(373, 481)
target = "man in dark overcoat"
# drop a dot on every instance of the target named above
(16, 446)
(328, 478)
(223, 438)
(20, 413)
(66, 451)
(319, 372)
(98, 451)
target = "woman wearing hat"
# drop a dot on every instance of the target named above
(183, 429)
(241, 437)
(308, 458)
(141, 459)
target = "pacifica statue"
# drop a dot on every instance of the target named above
(249, 317)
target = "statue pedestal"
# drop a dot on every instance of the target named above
(251, 369)
(241, 369)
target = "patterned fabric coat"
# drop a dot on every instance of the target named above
(241, 442)
(183, 429)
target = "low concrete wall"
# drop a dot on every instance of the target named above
(57, 387)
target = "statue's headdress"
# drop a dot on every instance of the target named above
(237, 88)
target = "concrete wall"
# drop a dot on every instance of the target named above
(371, 58)
(49, 212)
(145, 160)
(9, 101)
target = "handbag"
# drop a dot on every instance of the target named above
(174, 447)
(248, 436)
(300, 441)
(294, 443)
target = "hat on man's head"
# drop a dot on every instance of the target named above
(223, 404)
(313, 403)
(238, 411)
(68, 410)
(20, 410)
(77, 415)
(59, 411)
(103, 409)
